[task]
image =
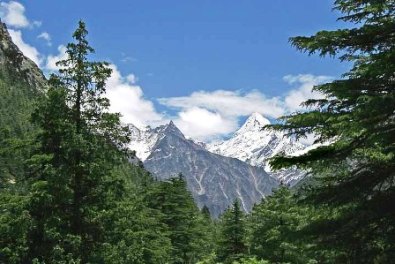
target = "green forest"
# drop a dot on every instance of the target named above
(71, 191)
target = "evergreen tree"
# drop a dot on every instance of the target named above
(79, 145)
(134, 232)
(355, 173)
(273, 229)
(182, 218)
(15, 222)
(231, 244)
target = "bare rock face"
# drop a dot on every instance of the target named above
(12, 59)
(214, 180)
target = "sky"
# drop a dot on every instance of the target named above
(205, 64)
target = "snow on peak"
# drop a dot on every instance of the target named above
(258, 118)
(144, 139)
(255, 122)
(255, 145)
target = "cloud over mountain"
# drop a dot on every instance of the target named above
(203, 115)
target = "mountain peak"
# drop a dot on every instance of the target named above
(259, 118)
(255, 122)
(173, 129)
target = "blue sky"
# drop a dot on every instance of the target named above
(205, 64)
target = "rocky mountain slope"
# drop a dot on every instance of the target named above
(254, 145)
(14, 64)
(21, 84)
(214, 180)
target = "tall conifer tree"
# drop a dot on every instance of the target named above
(78, 146)
(357, 170)
(273, 228)
(232, 245)
(182, 218)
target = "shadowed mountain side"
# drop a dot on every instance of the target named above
(214, 180)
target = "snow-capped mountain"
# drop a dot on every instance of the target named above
(254, 145)
(143, 140)
(214, 180)
(220, 172)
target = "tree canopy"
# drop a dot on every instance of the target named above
(356, 116)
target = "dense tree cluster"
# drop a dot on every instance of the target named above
(354, 174)
(69, 193)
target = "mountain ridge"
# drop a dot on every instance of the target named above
(214, 180)
(221, 172)
(255, 145)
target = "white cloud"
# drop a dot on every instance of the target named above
(228, 103)
(209, 115)
(45, 36)
(13, 14)
(203, 115)
(206, 115)
(29, 51)
(132, 78)
(36, 24)
(128, 99)
(201, 124)
(303, 91)
(53, 59)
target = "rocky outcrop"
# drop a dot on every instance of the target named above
(13, 60)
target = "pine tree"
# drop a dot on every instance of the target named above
(78, 146)
(273, 228)
(355, 173)
(182, 218)
(15, 222)
(134, 232)
(231, 244)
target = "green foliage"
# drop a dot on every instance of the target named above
(273, 229)
(272, 223)
(251, 261)
(77, 149)
(17, 101)
(231, 244)
(71, 195)
(354, 174)
(186, 225)
(15, 222)
(134, 233)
